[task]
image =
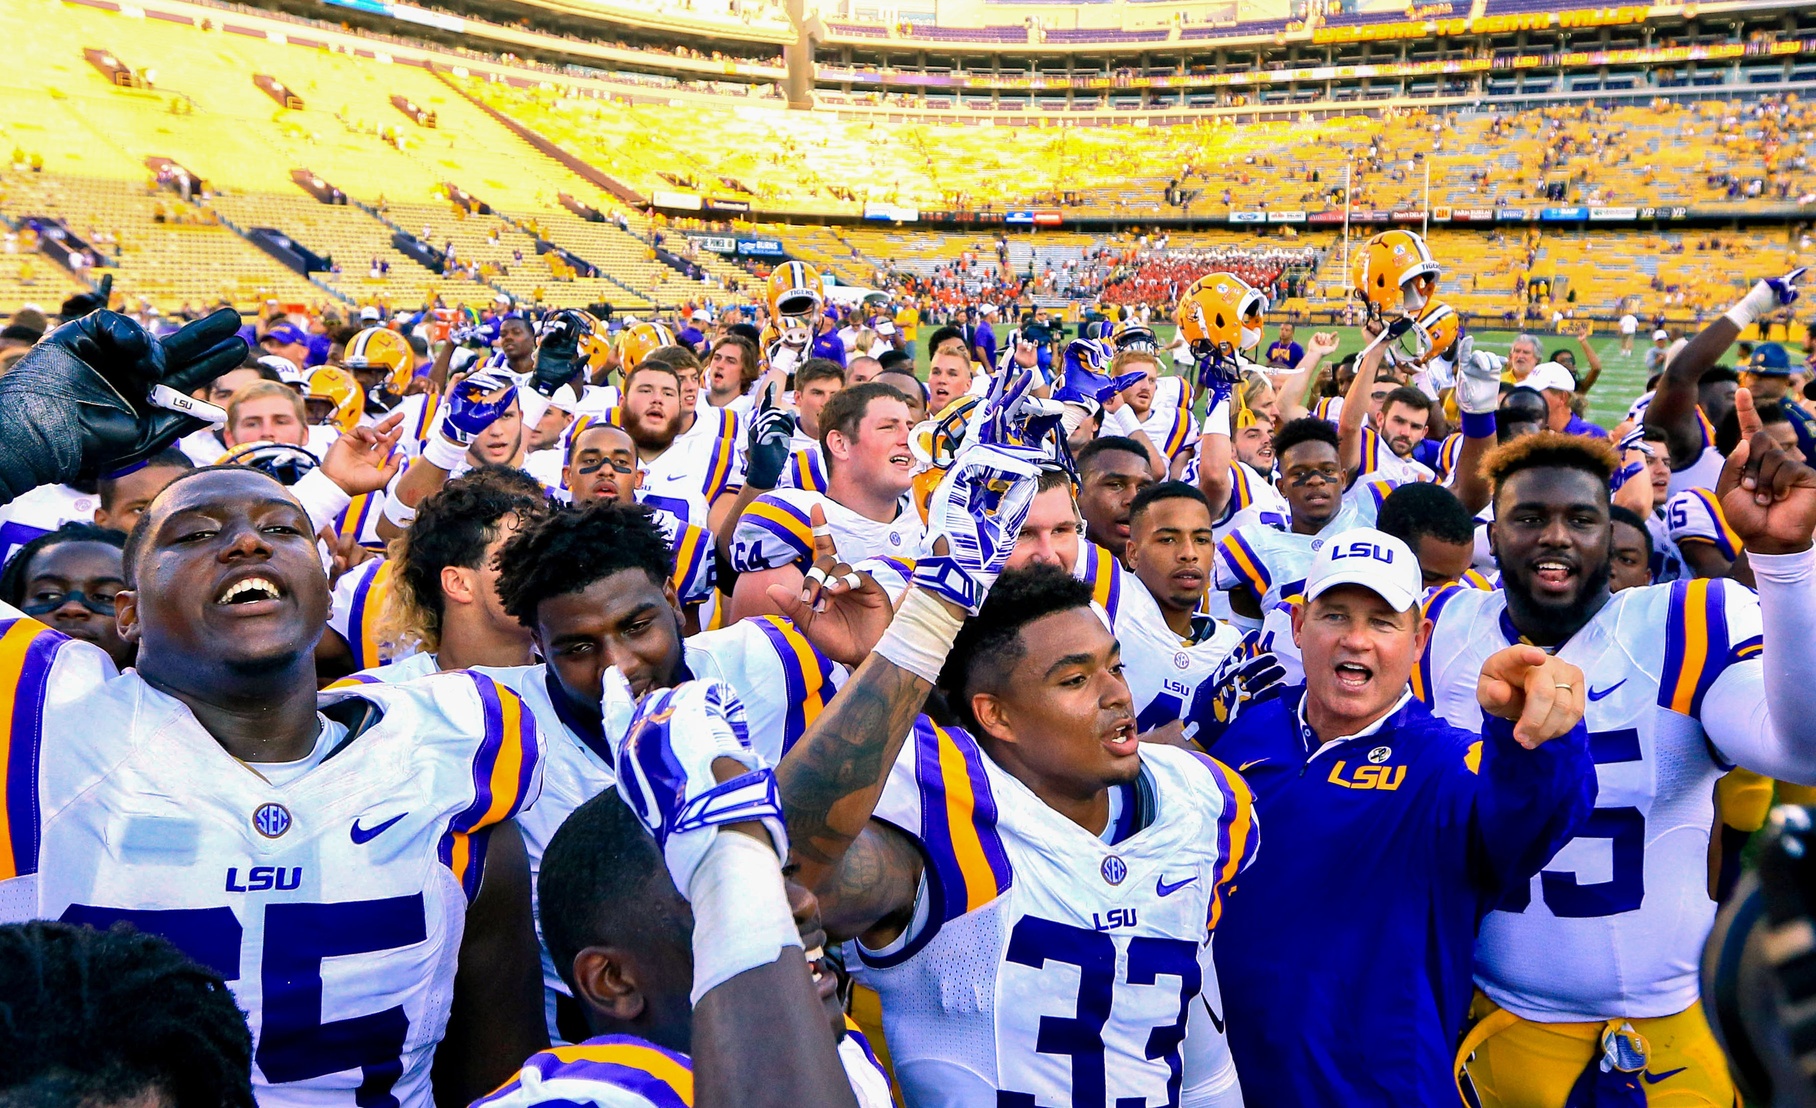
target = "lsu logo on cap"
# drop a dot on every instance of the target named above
(1363, 549)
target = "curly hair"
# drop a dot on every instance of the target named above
(989, 644)
(571, 548)
(451, 528)
(104, 1017)
(1304, 429)
(1550, 450)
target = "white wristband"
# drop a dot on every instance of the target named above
(1740, 315)
(397, 511)
(741, 916)
(920, 636)
(531, 407)
(1122, 422)
(1783, 569)
(1217, 420)
(442, 454)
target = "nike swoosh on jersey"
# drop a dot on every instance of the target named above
(362, 835)
(1243, 768)
(1216, 1020)
(1655, 1078)
(1597, 695)
(1161, 887)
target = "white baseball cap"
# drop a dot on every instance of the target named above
(1372, 559)
(1660, 335)
(565, 399)
(286, 369)
(700, 316)
(1550, 375)
(370, 314)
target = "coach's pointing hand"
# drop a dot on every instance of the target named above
(1543, 695)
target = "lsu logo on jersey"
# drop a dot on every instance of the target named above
(1373, 776)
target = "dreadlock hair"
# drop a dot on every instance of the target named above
(104, 1017)
(1421, 508)
(989, 644)
(1304, 429)
(1550, 450)
(571, 548)
(452, 529)
(13, 577)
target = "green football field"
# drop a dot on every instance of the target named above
(1623, 377)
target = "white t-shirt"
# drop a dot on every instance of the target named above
(1629, 325)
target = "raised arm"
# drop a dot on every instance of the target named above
(1770, 502)
(1587, 380)
(1293, 391)
(1673, 406)
(99, 394)
(832, 779)
(1355, 403)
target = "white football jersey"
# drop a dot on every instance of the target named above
(333, 901)
(1271, 560)
(1694, 516)
(1027, 924)
(41, 511)
(1170, 428)
(776, 530)
(697, 467)
(1614, 924)
(1162, 669)
(806, 469)
(357, 602)
(1379, 462)
(1667, 560)
(1255, 494)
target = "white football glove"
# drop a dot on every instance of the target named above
(666, 744)
(1478, 378)
(1764, 298)
(977, 509)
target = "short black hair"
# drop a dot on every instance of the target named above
(168, 458)
(141, 531)
(1407, 397)
(1104, 444)
(12, 577)
(1716, 375)
(1302, 430)
(900, 373)
(569, 549)
(989, 644)
(1525, 400)
(594, 884)
(1727, 436)
(1165, 490)
(1618, 514)
(896, 360)
(104, 1017)
(941, 334)
(453, 528)
(1421, 508)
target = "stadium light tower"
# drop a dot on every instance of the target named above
(1348, 164)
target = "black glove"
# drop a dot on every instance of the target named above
(80, 305)
(77, 404)
(558, 356)
(771, 433)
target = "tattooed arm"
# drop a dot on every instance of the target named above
(864, 872)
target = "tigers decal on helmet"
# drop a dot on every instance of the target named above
(1220, 316)
(796, 298)
(639, 341)
(333, 398)
(1436, 331)
(1394, 274)
(378, 348)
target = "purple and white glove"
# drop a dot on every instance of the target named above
(465, 413)
(667, 743)
(1764, 298)
(977, 509)
(1246, 674)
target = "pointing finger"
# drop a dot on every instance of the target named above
(823, 545)
(1747, 413)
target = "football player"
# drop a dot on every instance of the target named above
(594, 589)
(864, 439)
(693, 984)
(1111, 470)
(602, 468)
(393, 959)
(797, 300)
(68, 578)
(1675, 405)
(1035, 862)
(123, 497)
(1594, 965)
